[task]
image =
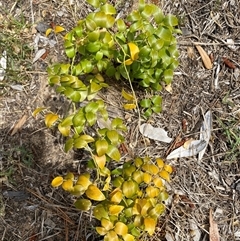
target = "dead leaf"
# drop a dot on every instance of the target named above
(157, 134)
(168, 88)
(229, 63)
(19, 125)
(3, 65)
(39, 54)
(193, 148)
(205, 58)
(213, 229)
(190, 52)
(205, 132)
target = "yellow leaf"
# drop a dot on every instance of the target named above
(50, 119)
(129, 106)
(116, 196)
(128, 62)
(94, 193)
(101, 230)
(158, 182)
(134, 50)
(152, 191)
(147, 178)
(84, 180)
(58, 29)
(48, 31)
(168, 168)
(37, 111)
(150, 225)
(127, 96)
(121, 228)
(65, 130)
(107, 224)
(100, 160)
(160, 162)
(165, 175)
(128, 237)
(111, 236)
(205, 58)
(57, 181)
(115, 209)
(107, 182)
(67, 185)
(151, 168)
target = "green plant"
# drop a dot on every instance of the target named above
(231, 132)
(140, 50)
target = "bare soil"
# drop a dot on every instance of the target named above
(31, 210)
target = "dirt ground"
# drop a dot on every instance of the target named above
(30, 210)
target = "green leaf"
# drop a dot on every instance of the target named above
(70, 52)
(141, 5)
(171, 20)
(108, 9)
(148, 112)
(94, 35)
(91, 107)
(99, 55)
(91, 118)
(134, 16)
(158, 15)
(157, 109)
(80, 143)
(121, 25)
(130, 188)
(113, 136)
(86, 65)
(94, 193)
(79, 119)
(147, 11)
(93, 47)
(68, 145)
(72, 94)
(100, 212)
(90, 23)
(94, 87)
(87, 138)
(145, 103)
(113, 153)
(157, 100)
(164, 33)
(94, 3)
(83, 204)
(168, 76)
(136, 26)
(101, 147)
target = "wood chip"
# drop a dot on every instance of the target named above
(19, 125)
(205, 58)
(213, 229)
